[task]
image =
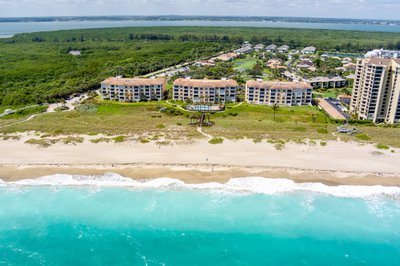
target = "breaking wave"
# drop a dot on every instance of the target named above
(243, 185)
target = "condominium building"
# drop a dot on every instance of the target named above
(132, 89)
(376, 90)
(383, 53)
(327, 82)
(271, 48)
(309, 50)
(283, 49)
(276, 92)
(205, 90)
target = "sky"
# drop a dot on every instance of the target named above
(373, 9)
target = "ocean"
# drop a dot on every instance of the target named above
(112, 220)
(8, 29)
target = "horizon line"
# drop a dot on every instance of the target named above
(205, 16)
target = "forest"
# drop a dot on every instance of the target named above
(37, 67)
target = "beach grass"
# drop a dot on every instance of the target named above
(382, 146)
(119, 139)
(216, 140)
(98, 140)
(111, 118)
(250, 121)
(42, 143)
(72, 140)
(363, 137)
(256, 121)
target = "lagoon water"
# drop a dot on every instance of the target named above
(8, 29)
(111, 220)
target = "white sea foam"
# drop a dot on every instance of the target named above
(244, 185)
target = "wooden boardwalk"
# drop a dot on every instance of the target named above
(332, 111)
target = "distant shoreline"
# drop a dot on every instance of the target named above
(9, 27)
(204, 18)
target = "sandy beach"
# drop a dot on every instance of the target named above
(201, 162)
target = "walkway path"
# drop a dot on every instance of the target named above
(200, 130)
(71, 104)
(19, 109)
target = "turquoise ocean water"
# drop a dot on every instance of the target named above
(110, 220)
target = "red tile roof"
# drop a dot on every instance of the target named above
(205, 82)
(278, 85)
(134, 81)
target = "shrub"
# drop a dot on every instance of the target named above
(119, 139)
(43, 143)
(72, 140)
(160, 126)
(280, 141)
(322, 130)
(300, 129)
(87, 108)
(363, 137)
(61, 108)
(6, 137)
(299, 141)
(323, 143)
(279, 146)
(382, 146)
(361, 122)
(100, 140)
(216, 141)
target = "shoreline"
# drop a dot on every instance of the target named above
(200, 174)
(337, 163)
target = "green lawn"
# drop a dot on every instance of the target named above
(246, 63)
(330, 93)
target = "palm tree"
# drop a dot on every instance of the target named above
(275, 108)
(129, 96)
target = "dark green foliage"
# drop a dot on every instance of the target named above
(221, 70)
(87, 108)
(36, 67)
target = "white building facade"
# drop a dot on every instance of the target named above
(205, 90)
(133, 89)
(276, 92)
(376, 90)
